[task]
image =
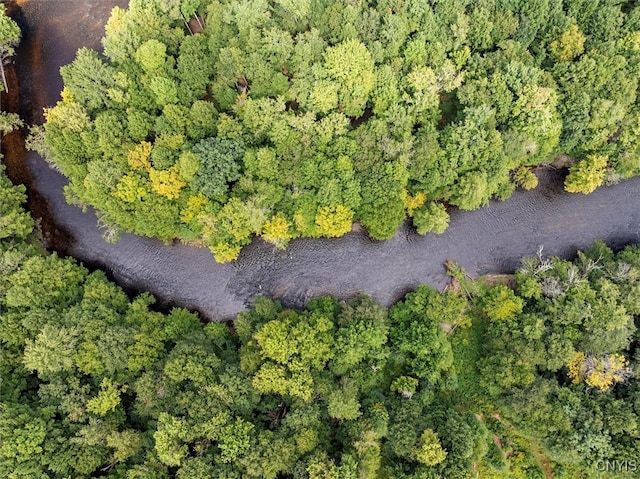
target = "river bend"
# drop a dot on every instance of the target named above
(490, 240)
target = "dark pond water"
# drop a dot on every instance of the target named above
(490, 240)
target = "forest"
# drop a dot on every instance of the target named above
(214, 121)
(522, 376)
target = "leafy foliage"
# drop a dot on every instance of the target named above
(586, 175)
(438, 385)
(9, 38)
(317, 114)
(14, 222)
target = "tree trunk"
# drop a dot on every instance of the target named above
(186, 24)
(198, 20)
(4, 79)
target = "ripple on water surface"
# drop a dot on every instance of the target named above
(490, 240)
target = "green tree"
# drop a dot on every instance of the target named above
(45, 282)
(13, 221)
(151, 56)
(9, 122)
(9, 38)
(24, 431)
(293, 107)
(417, 337)
(88, 79)
(93, 382)
(169, 440)
(431, 217)
(219, 165)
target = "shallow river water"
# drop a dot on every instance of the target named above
(490, 240)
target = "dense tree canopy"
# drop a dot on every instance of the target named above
(218, 120)
(499, 381)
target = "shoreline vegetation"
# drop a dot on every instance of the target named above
(52, 235)
(530, 375)
(216, 121)
(534, 380)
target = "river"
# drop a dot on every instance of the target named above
(490, 240)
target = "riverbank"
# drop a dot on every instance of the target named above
(13, 145)
(490, 240)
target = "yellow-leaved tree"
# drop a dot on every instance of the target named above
(414, 202)
(333, 221)
(599, 370)
(132, 188)
(166, 182)
(196, 205)
(108, 399)
(138, 158)
(429, 450)
(569, 46)
(277, 231)
(586, 175)
(525, 178)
